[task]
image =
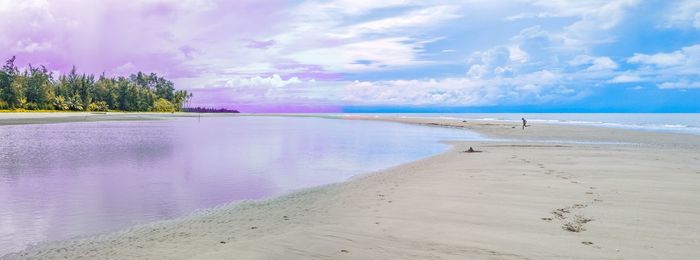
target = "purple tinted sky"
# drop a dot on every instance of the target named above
(323, 55)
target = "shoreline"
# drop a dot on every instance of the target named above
(515, 200)
(27, 118)
(554, 132)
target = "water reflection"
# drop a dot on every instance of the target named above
(60, 181)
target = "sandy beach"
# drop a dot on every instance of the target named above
(548, 192)
(18, 118)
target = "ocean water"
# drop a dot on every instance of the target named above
(60, 181)
(676, 123)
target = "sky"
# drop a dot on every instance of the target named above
(379, 56)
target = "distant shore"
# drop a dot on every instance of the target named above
(546, 192)
(23, 118)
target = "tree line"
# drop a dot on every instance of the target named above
(35, 88)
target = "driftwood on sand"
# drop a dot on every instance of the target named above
(471, 150)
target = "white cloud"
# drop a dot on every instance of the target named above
(499, 61)
(675, 70)
(539, 86)
(679, 85)
(451, 91)
(125, 69)
(29, 46)
(594, 19)
(419, 18)
(355, 7)
(685, 61)
(477, 71)
(594, 63)
(683, 13)
(11, 6)
(341, 29)
(365, 55)
(659, 59)
(273, 81)
(517, 54)
(602, 63)
(626, 78)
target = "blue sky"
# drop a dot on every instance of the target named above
(392, 55)
(558, 56)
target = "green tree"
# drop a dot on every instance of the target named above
(17, 87)
(163, 105)
(75, 102)
(180, 98)
(60, 103)
(39, 88)
(98, 106)
(36, 88)
(11, 92)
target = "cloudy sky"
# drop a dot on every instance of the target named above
(391, 55)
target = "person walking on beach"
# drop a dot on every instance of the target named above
(524, 123)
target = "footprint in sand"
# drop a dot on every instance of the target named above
(561, 213)
(579, 206)
(573, 227)
(571, 223)
(582, 219)
(576, 225)
(589, 243)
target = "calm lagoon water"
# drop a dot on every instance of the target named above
(60, 181)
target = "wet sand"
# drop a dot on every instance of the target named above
(537, 195)
(18, 118)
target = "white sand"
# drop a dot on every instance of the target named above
(514, 200)
(19, 118)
